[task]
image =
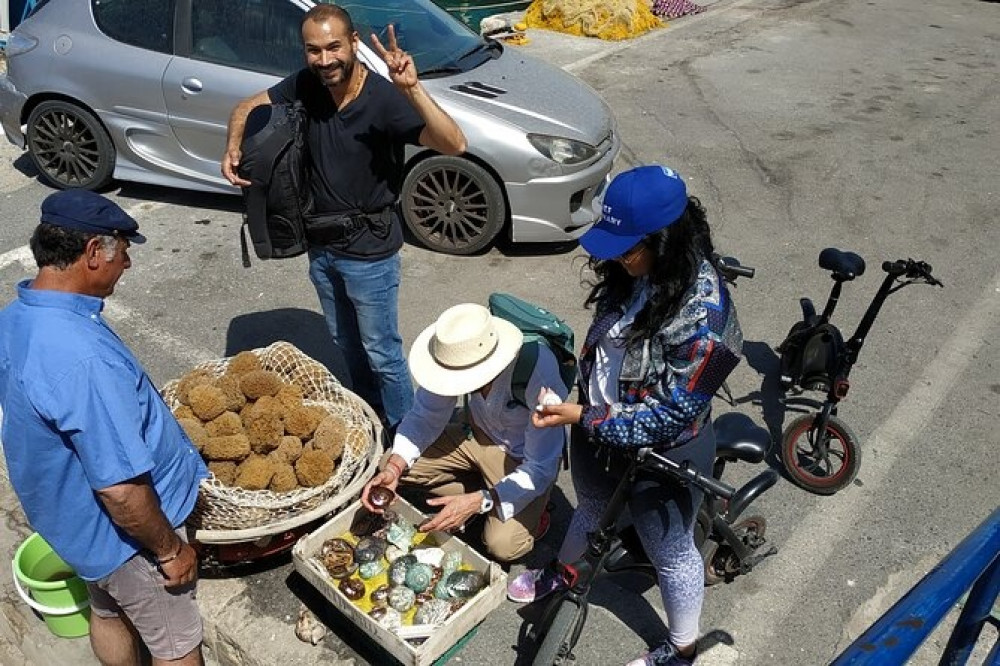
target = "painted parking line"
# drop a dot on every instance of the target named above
(893, 438)
(23, 254)
(117, 312)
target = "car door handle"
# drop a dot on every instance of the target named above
(192, 85)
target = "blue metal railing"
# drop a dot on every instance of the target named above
(974, 563)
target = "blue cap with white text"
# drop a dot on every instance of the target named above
(637, 203)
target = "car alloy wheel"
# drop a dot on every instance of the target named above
(453, 205)
(68, 145)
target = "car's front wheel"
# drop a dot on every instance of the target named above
(70, 148)
(453, 205)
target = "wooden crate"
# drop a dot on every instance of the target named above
(443, 637)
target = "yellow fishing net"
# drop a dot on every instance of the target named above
(605, 19)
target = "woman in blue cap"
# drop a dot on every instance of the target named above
(663, 339)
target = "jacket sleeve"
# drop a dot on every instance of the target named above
(689, 362)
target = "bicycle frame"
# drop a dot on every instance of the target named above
(605, 542)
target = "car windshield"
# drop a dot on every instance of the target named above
(438, 42)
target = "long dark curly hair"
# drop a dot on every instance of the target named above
(678, 249)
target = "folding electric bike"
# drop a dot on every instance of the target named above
(819, 451)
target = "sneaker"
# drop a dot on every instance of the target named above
(534, 584)
(544, 523)
(665, 654)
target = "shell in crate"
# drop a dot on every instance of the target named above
(284, 436)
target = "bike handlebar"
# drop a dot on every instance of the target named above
(730, 268)
(914, 270)
(649, 458)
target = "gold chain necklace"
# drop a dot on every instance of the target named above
(356, 88)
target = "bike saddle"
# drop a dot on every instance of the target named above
(845, 265)
(737, 437)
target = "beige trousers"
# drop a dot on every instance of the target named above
(460, 463)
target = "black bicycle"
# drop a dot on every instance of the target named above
(729, 545)
(819, 451)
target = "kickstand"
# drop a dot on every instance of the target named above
(728, 394)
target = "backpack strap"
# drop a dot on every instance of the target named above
(527, 358)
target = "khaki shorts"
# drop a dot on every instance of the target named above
(168, 621)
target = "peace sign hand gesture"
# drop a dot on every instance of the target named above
(402, 71)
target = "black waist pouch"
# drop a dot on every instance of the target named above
(340, 230)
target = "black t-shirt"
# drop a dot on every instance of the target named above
(357, 155)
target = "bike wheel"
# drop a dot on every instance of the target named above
(822, 466)
(556, 644)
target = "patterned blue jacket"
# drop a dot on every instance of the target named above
(666, 384)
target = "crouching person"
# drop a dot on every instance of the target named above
(101, 467)
(491, 460)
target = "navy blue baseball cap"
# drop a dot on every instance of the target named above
(88, 211)
(637, 203)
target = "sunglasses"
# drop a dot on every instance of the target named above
(629, 257)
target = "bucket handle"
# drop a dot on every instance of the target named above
(46, 610)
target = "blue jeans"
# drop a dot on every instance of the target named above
(360, 300)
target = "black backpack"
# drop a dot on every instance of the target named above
(275, 162)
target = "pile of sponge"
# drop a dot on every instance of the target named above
(255, 431)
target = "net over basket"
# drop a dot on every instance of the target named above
(224, 508)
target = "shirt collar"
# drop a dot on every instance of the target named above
(48, 298)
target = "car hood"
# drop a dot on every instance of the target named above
(530, 94)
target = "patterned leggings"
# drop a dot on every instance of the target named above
(664, 516)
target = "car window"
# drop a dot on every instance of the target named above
(259, 35)
(435, 39)
(147, 24)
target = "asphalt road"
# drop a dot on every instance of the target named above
(801, 125)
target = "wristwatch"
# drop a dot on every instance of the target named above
(486, 505)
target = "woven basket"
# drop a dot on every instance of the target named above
(220, 507)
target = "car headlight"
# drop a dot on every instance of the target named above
(562, 150)
(19, 43)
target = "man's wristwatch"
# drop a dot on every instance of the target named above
(486, 505)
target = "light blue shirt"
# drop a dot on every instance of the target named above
(79, 415)
(507, 424)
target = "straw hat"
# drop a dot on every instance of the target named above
(465, 349)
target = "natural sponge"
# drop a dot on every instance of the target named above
(189, 381)
(314, 468)
(228, 447)
(224, 471)
(226, 423)
(330, 435)
(243, 363)
(284, 478)
(301, 421)
(258, 383)
(264, 432)
(195, 431)
(207, 401)
(230, 387)
(289, 449)
(254, 473)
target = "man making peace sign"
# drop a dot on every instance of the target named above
(358, 126)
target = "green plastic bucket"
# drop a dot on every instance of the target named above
(55, 590)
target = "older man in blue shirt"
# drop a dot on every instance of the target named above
(101, 467)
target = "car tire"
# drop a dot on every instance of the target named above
(452, 205)
(68, 145)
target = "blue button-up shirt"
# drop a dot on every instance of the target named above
(79, 415)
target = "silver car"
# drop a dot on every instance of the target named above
(141, 90)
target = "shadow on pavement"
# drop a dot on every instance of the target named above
(305, 329)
